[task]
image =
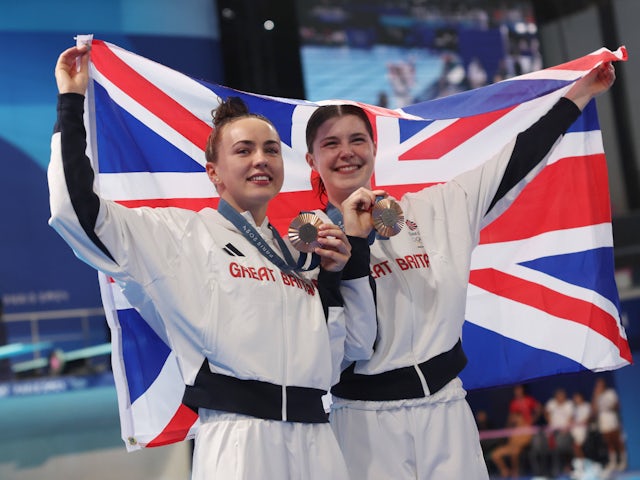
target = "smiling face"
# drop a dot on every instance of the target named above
(249, 170)
(343, 154)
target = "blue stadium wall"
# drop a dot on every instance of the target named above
(37, 270)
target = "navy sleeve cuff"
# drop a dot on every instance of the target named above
(358, 265)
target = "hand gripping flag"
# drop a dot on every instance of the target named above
(542, 298)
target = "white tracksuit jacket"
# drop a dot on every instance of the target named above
(421, 278)
(207, 290)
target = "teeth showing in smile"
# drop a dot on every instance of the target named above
(259, 178)
(348, 168)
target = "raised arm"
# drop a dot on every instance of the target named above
(101, 232)
(534, 144)
(70, 173)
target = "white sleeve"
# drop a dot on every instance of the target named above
(121, 242)
(358, 292)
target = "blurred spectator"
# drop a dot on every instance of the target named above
(501, 72)
(580, 423)
(487, 442)
(402, 77)
(524, 411)
(453, 78)
(515, 446)
(606, 409)
(56, 362)
(476, 74)
(552, 448)
(383, 99)
(582, 416)
(525, 405)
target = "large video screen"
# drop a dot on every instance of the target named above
(394, 54)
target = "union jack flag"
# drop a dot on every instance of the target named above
(542, 298)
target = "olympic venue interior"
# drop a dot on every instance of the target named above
(59, 414)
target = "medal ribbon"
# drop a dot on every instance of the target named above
(251, 234)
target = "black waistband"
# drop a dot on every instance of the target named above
(402, 383)
(253, 397)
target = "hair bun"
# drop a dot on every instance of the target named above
(230, 108)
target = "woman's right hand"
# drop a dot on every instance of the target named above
(356, 211)
(69, 78)
(334, 249)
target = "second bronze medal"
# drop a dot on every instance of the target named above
(388, 218)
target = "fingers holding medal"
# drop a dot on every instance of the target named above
(371, 209)
(365, 209)
(307, 233)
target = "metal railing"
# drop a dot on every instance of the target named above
(37, 317)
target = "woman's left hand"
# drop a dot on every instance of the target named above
(335, 249)
(597, 81)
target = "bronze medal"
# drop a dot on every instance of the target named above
(388, 218)
(303, 232)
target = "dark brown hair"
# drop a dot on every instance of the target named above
(230, 110)
(327, 112)
(317, 119)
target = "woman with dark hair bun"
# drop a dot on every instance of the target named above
(256, 346)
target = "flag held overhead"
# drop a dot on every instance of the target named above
(542, 298)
